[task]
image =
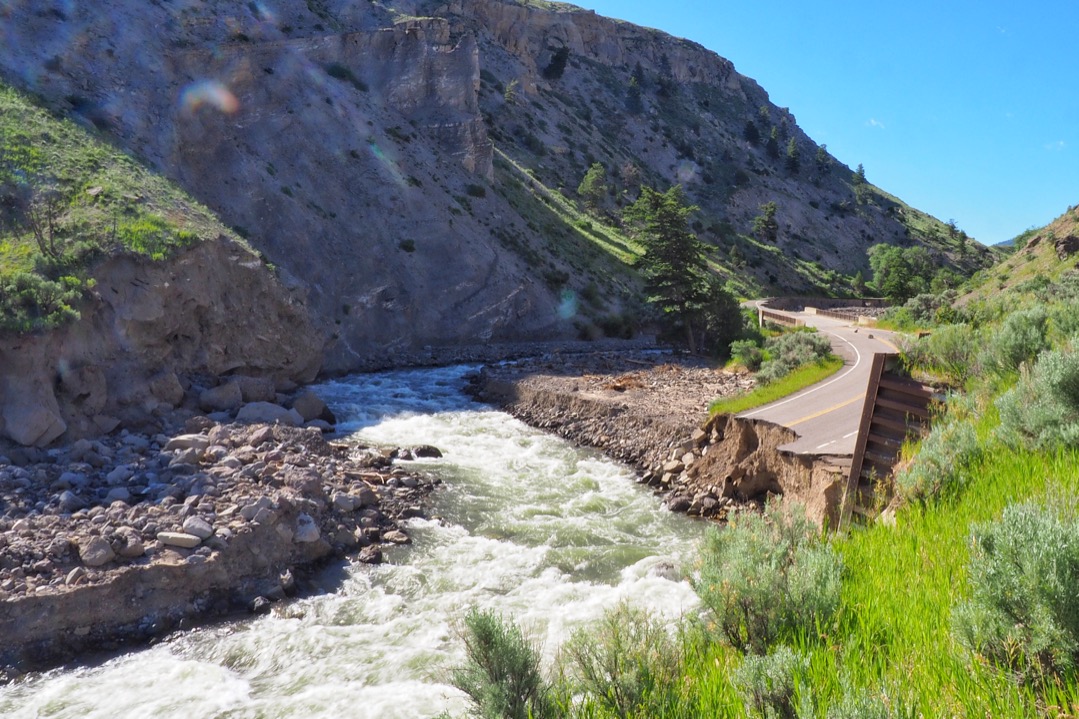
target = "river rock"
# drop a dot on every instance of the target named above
(187, 441)
(95, 552)
(198, 527)
(129, 544)
(223, 398)
(70, 502)
(306, 529)
(269, 413)
(256, 389)
(426, 451)
(371, 555)
(310, 406)
(178, 539)
(396, 536)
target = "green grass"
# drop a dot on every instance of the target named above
(789, 384)
(100, 200)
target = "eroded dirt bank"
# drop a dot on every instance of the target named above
(650, 410)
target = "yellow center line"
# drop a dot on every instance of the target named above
(823, 412)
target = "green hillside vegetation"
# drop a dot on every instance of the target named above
(962, 603)
(1030, 264)
(67, 200)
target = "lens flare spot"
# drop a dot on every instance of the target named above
(567, 308)
(388, 163)
(266, 14)
(687, 171)
(211, 93)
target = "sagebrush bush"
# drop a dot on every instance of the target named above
(791, 350)
(1042, 410)
(1023, 612)
(767, 682)
(939, 468)
(768, 577)
(502, 674)
(950, 351)
(748, 353)
(627, 663)
(1021, 337)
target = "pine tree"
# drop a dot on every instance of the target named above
(765, 225)
(674, 263)
(593, 187)
(792, 157)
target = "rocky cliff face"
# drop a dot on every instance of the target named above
(393, 156)
(149, 337)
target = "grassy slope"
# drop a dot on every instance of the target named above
(1034, 258)
(102, 200)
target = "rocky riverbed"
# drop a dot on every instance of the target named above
(650, 410)
(126, 537)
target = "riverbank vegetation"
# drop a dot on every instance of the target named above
(962, 603)
(784, 363)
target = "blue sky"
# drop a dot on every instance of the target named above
(966, 110)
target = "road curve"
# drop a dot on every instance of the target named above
(826, 415)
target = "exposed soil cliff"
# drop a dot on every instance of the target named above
(153, 334)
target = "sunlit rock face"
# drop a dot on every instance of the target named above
(339, 147)
(395, 157)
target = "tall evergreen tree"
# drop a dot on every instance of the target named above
(674, 263)
(793, 161)
(593, 187)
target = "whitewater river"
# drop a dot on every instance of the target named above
(530, 527)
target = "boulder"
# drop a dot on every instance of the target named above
(426, 451)
(188, 441)
(311, 407)
(95, 552)
(31, 420)
(255, 389)
(269, 413)
(198, 527)
(166, 387)
(223, 398)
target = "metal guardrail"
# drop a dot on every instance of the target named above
(778, 318)
(896, 407)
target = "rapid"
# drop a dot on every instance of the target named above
(525, 524)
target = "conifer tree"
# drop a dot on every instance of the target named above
(674, 263)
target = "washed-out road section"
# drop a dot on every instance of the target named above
(826, 415)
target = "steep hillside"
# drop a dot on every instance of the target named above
(1039, 257)
(121, 297)
(410, 162)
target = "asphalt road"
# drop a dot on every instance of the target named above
(826, 415)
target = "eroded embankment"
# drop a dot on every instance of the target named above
(700, 466)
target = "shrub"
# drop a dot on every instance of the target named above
(628, 663)
(792, 350)
(767, 683)
(767, 577)
(1042, 410)
(501, 675)
(1020, 338)
(748, 353)
(1023, 612)
(950, 352)
(949, 449)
